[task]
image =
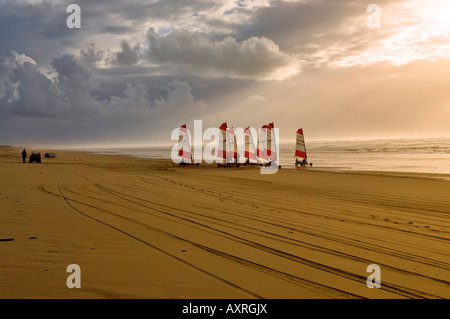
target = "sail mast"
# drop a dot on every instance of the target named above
(304, 145)
(272, 153)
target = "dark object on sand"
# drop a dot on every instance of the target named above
(49, 155)
(6, 239)
(35, 157)
(24, 155)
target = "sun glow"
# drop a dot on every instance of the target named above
(410, 31)
(422, 31)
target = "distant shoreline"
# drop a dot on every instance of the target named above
(339, 170)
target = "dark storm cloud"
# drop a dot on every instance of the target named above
(321, 31)
(26, 91)
(254, 58)
(115, 29)
(300, 22)
(91, 55)
(30, 93)
(128, 55)
(66, 102)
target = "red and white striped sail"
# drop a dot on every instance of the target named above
(227, 145)
(271, 143)
(300, 148)
(222, 152)
(250, 149)
(184, 144)
(262, 143)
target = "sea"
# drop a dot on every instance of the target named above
(428, 155)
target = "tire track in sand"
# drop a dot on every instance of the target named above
(304, 283)
(397, 289)
(66, 200)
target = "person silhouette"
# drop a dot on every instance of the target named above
(24, 155)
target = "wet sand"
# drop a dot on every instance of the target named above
(143, 228)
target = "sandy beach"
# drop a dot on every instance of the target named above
(146, 228)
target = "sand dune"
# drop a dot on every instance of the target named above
(142, 228)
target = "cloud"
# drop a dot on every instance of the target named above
(329, 33)
(76, 81)
(25, 91)
(91, 55)
(412, 31)
(128, 56)
(82, 83)
(256, 98)
(254, 58)
(67, 106)
(179, 101)
(295, 25)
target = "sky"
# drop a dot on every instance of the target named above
(136, 70)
